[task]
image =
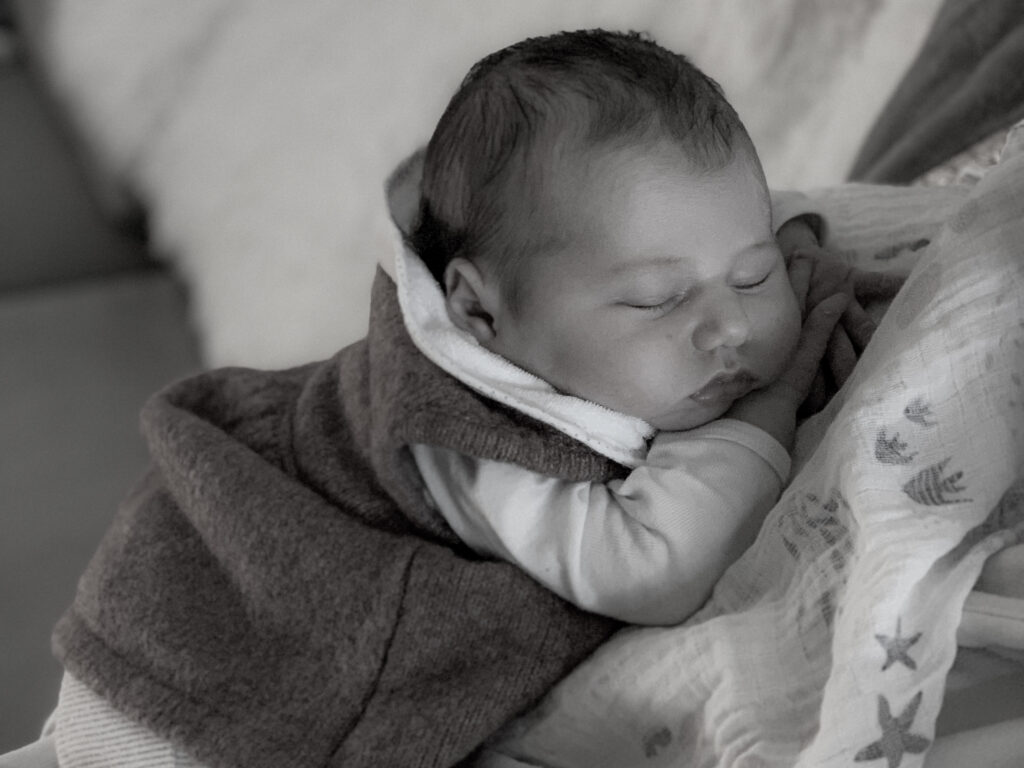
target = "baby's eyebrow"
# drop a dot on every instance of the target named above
(669, 260)
(651, 263)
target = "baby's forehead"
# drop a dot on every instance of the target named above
(564, 175)
(636, 201)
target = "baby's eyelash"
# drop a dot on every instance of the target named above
(755, 284)
(762, 281)
(660, 306)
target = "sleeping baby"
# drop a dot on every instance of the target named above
(573, 411)
(596, 215)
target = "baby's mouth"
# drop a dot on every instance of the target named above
(725, 387)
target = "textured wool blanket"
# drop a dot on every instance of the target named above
(829, 642)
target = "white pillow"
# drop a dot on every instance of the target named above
(258, 133)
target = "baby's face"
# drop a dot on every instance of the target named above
(667, 298)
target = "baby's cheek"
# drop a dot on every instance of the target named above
(626, 381)
(785, 325)
(588, 370)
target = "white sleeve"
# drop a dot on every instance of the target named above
(90, 733)
(646, 549)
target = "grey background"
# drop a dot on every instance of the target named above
(89, 327)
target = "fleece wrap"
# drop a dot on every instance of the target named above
(278, 592)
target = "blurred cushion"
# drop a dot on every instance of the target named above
(259, 135)
(77, 362)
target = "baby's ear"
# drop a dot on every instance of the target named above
(469, 299)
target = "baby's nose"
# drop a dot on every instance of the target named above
(723, 324)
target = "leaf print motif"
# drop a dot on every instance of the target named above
(889, 450)
(918, 411)
(656, 740)
(892, 251)
(932, 488)
(792, 548)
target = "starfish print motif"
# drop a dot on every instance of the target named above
(897, 647)
(896, 739)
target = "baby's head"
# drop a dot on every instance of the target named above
(597, 214)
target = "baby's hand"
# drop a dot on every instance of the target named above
(817, 273)
(826, 273)
(774, 408)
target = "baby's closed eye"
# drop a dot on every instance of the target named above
(654, 304)
(747, 283)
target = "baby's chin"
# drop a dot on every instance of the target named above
(689, 418)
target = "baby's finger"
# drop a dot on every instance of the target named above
(876, 286)
(841, 356)
(830, 276)
(795, 235)
(858, 325)
(800, 269)
(813, 342)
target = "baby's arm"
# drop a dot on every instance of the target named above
(647, 549)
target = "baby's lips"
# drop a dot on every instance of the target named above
(723, 388)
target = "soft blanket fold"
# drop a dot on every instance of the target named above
(278, 593)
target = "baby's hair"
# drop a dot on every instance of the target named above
(592, 88)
